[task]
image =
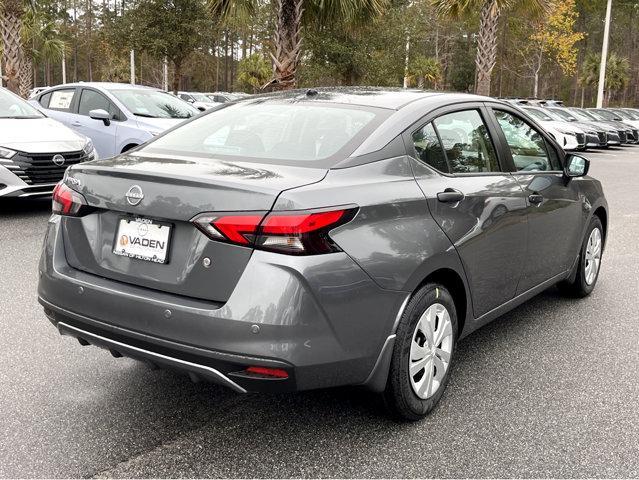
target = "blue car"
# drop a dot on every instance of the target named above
(116, 116)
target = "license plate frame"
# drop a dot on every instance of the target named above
(120, 250)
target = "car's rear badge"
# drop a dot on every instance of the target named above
(134, 195)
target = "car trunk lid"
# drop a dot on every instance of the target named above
(170, 192)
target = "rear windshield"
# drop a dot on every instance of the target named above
(293, 134)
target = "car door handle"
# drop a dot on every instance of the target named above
(76, 124)
(450, 195)
(535, 198)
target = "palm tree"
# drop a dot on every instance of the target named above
(425, 70)
(46, 46)
(617, 73)
(489, 12)
(589, 75)
(290, 16)
(11, 12)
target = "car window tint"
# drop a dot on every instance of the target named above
(527, 145)
(61, 99)
(92, 100)
(429, 149)
(466, 142)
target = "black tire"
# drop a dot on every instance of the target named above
(579, 287)
(399, 396)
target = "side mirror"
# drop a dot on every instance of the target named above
(576, 166)
(100, 114)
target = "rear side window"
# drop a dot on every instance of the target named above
(283, 133)
(429, 149)
(62, 100)
(528, 147)
(466, 142)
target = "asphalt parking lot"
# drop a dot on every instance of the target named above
(549, 390)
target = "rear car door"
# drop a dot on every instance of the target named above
(60, 104)
(103, 136)
(475, 201)
(553, 203)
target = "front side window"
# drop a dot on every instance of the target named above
(527, 146)
(92, 100)
(428, 148)
(466, 142)
(62, 99)
(293, 134)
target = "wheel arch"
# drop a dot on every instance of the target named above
(128, 147)
(455, 284)
(602, 214)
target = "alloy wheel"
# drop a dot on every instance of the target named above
(430, 350)
(593, 256)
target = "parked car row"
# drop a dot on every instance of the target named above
(113, 118)
(582, 128)
(77, 122)
(205, 101)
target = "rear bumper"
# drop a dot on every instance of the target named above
(321, 319)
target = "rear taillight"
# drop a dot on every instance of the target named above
(293, 233)
(67, 201)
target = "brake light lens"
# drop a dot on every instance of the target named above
(230, 228)
(67, 201)
(292, 233)
(304, 233)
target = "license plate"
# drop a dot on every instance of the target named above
(143, 239)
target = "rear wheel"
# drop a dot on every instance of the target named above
(589, 262)
(423, 353)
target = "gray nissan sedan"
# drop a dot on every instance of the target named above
(320, 238)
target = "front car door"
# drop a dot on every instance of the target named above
(553, 202)
(103, 136)
(476, 202)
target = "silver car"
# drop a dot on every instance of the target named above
(320, 238)
(35, 150)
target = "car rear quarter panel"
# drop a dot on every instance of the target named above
(393, 236)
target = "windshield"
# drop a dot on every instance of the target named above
(200, 97)
(608, 115)
(595, 115)
(624, 114)
(291, 134)
(563, 114)
(538, 114)
(583, 115)
(12, 106)
(154, 103)
(631, 114)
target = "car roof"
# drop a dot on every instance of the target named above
(105, 85)
(388, 98)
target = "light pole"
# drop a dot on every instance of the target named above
(132, 67)
(604, 57)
